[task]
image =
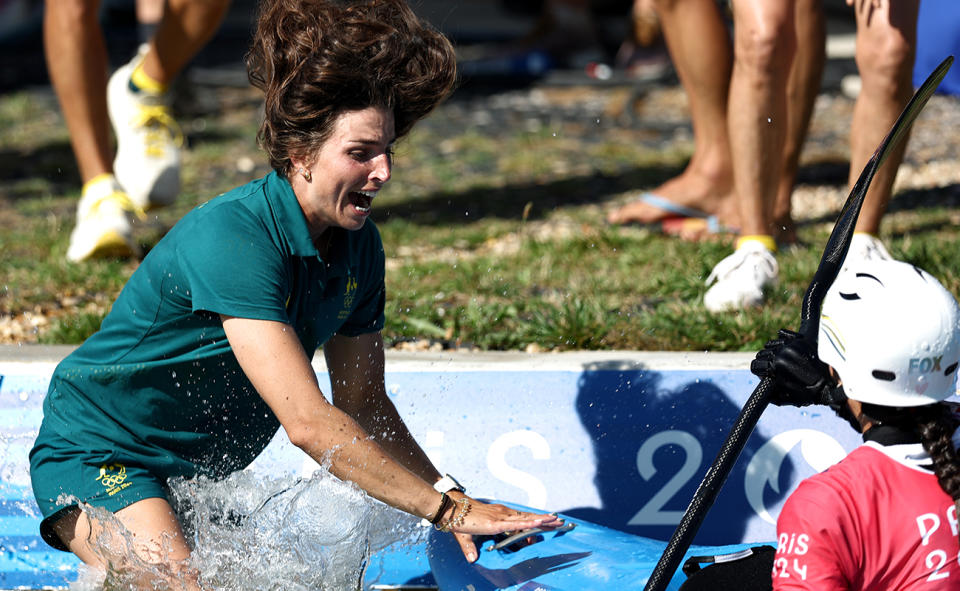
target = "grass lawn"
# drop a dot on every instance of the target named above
(493, 223)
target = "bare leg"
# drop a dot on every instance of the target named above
(764, 46)
(157, 539)
(802, 89)
(699, 44)
(186, 26)
(149, 11)
(886, 44)
(77, 63)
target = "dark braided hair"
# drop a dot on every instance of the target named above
(935, 425)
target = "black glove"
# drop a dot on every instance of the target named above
(799, 377)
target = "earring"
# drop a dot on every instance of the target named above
(305, 173)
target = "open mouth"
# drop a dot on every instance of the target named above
(362, 200)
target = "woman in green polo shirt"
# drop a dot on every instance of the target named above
(207, 351)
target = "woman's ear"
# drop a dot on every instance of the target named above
(298, 166)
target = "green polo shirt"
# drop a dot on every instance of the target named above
(158, 385)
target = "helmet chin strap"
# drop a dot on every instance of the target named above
(880, 416)
(836, 399)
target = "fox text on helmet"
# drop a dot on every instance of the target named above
(891, 332)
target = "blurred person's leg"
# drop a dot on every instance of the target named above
(149, 13)
(886, 45)
(186, 27)
(764, 48)
(146, 170)
(77, 63)
(699, 45)
(149, 140)
(803, 86)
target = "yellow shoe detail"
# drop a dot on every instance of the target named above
(160, 127)
(144, 81)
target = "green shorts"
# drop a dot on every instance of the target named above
(64, 474)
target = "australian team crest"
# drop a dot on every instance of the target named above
(349, 293)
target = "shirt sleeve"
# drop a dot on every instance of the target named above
(233, 268)
(807, 554)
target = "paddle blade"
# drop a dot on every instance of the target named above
(839, 242)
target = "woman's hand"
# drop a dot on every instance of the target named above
(490, 519)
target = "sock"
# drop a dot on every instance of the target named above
(140, 81)
(764, 239)
(145, 31)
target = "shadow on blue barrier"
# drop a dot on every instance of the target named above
(653, 445)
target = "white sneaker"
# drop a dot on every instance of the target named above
(865, 247)
(104, 217)
(147, 165)
(738, 280)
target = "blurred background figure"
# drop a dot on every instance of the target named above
(701, 199)
(886, 50)
(767, 39)
(144, 172)
(574, 35)
(744, 165)
(886, 41)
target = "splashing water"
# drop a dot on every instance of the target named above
(254, 533)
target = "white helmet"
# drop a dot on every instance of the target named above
(892, 332)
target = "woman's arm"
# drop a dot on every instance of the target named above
(356, 366)
(273, 359)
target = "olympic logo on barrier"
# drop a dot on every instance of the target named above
(818, 449)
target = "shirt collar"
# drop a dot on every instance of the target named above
(911, 455)
(293, 224)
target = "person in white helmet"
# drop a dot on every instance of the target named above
(885, 517)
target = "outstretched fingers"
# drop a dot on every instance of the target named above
(490, 519)
(495, 519)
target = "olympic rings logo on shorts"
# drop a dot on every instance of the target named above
(112, 475)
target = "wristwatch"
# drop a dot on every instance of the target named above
(447, 484)
(444, 485)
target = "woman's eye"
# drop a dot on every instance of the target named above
(365, 155)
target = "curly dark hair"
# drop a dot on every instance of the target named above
(316, 59)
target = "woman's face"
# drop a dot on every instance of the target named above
(351, 166)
